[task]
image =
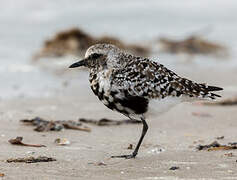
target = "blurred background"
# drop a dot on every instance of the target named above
(40, 39)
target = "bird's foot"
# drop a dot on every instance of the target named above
(130, 156)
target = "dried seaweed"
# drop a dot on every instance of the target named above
(75, 42)
(192, 45)
(45, 125)
(215, 146)
(108, 122)
(18, 141)
(226, 102)
(31, 159)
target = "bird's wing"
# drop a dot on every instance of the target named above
(145, 78)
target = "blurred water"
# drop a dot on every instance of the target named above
(25, 24)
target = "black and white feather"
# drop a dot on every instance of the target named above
(135, 85)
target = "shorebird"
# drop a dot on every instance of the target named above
(137, 86)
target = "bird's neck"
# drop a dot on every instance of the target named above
(97, 73)
(100, 81)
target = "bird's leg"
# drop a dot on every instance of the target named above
(133, 155)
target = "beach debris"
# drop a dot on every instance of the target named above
(101, 163)
(108, 122)
(156, 150)
(43, 125)
(215, 146)
(18, 141)
(192, 45)
(31, 159)
(226, 102)
(174, 168)
(2, 174)
(229, 154)
(62, 141)
(233, 143)
(130, 146)
(201, 114)
(220, 137)
(75, 41)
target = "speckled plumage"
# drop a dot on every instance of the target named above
(133, 85)
(129, 83)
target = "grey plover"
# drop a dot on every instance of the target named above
(137, 86)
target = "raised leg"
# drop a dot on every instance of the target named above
(133, 155)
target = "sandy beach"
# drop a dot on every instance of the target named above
(171, 140)
(47, 88)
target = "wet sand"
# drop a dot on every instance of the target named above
(169, 142)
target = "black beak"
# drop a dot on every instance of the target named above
(78, 64)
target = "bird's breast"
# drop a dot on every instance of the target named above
(117, 99)
(101, 86)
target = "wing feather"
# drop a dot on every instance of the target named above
(149, 79)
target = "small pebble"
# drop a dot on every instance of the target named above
(156, 151)
(229, 154)
(130, 146)
(174, 168)
(62, 141)
(101, 164)
(30, 152)
(220, 137)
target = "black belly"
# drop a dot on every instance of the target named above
(126, 105)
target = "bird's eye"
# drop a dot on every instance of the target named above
(95, 55)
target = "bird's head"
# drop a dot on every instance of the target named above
(100, 56)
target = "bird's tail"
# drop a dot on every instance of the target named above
(196, 90)
(207, 91)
